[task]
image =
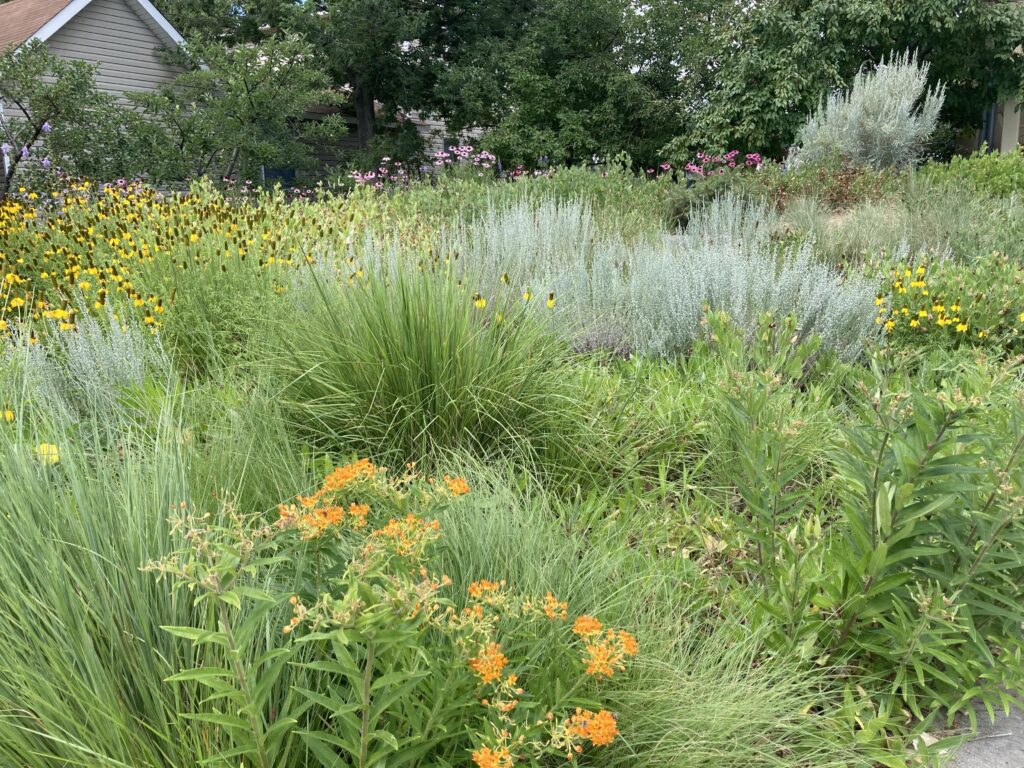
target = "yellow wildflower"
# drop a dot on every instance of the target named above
(47, 453)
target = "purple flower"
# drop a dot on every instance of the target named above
(46, 127)
(665, 166)
(24, 152)
(5, 149)
(46, 163)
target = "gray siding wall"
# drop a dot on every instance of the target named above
(111, 34)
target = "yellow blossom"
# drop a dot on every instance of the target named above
(47, 453)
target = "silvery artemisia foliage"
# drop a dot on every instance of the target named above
(82, 372)
(648, 296)
(885, 119)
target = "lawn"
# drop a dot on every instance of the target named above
(596, 466)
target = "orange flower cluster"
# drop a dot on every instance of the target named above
(338, 478)
(317, 513)
(606, 656)
(488, 592)
(489, 663)
(585, 626)
(600, 728)
(485, 757)
(457, 486)
(554, 608)
(314, 522)
(406, 537)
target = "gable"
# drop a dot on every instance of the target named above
(113, 35)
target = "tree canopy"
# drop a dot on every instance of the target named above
(767, 64)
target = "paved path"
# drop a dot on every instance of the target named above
(998, 745)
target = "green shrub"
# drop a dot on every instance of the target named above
(835, 184)
(902, 567)
(924, 220)
(942, 302)
(649, 296)
(685, 199)
(989, 173)
(218, 304)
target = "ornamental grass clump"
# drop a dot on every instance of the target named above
(405, 363)
(379, 661)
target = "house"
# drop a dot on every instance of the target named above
(125, 40)
(1002, 127)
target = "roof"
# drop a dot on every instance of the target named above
(22, 20)
(19, 19)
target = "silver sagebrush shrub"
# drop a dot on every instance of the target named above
(885, 119)
(82, 372)
(648, 296)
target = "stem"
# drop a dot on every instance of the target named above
(988, 503)
(845, 632)
(364, 728)
(243, 683)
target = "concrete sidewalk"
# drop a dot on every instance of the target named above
(997, 745)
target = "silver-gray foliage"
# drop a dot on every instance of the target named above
(885, 119)
(83, 372)
(649, 296)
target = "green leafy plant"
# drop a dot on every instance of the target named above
(900, 568)
(942, 302)
(991, 173)
(388, 669)
(410, 365)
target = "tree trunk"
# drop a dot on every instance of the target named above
(364, 114)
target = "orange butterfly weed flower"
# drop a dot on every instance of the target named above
(358, 513)
(600, 728)
(489, 664)
(485, 757)
(484, 587)
(457, 486)
(586, 626)
(555, 609)
(605, 657)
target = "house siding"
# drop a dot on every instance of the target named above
(110, 34)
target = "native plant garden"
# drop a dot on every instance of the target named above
(609, 467)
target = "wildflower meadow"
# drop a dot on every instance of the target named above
(713, 463)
